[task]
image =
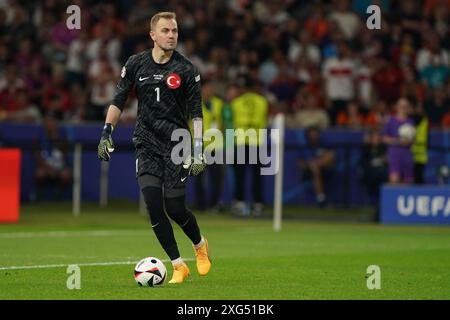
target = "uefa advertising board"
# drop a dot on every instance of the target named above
(415, 204)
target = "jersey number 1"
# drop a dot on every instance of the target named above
(157, 94)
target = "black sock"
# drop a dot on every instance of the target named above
(160, 223)
(178, 212)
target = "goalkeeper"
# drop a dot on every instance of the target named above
(168, 91)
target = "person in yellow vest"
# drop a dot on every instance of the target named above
(213, 178)
(249, 110)
(420, 147)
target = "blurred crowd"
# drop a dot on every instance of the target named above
(315, 61)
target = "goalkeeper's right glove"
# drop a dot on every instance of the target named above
(106, 145)
(198, 161)
(196, 164)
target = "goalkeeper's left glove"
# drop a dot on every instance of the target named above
(197, 163)
(106, 145)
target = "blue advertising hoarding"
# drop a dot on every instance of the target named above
(344, 186)
(415, 204)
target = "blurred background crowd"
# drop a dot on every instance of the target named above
(314, 60)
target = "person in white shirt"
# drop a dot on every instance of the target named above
(348, 21)
(304, 47)
(339, 76)
(431, 50)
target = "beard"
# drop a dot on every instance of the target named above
(168, 48)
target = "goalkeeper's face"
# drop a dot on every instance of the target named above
(165, 34)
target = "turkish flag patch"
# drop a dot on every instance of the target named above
(173, 81)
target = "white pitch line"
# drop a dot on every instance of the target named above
(57, 234)
(90, 264)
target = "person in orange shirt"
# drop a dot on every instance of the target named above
(317, 24)
(445, 122)
(351, 118)
(431, 5)
(378, 116)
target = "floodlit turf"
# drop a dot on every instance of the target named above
(306, 260)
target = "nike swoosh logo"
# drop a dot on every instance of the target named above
(155, 225)
(182, 179)
(142, 79)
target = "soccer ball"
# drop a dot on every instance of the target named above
(407, 131)
(150, 272)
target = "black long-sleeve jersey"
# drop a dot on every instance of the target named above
(168, 94)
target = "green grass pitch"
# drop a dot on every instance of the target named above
(306, 260)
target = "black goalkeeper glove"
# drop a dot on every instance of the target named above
(196, 164)
(106, 145)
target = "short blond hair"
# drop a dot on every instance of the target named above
(161, 15)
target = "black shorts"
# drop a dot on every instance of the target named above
(148, 162)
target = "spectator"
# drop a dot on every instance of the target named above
(412, 88)
(303, 69)
(102, 73)
(188, 49)
(309, 116)
(410, 18)
(399, 149)
(213, 178)
(20, 27)
(250, 111)
(77, 59)
(347, 20)
(4, 56)
(106, 40)
(330, 43)
(369, 45)
(378, 116)
(351, 118)
(436, 74)
(242, 67)
(11, 81)
(4, 24)
(51, 156)
(26, 55)
(21, 109)
(365, 86)
(420, 146)
(316, 164)
(431, 5)
(431, 51)
(80, 103)
(10, 84)
(446, 121)
(314, 86)
(269, 69)
(284, 85)
(439, 16)
(437, 106)
(373, 168)
(56, 98)
(404, 54)
(316, 23)
(61, 37)
(339, 75)
(36, 80)
(304, 48)
(387, 80)
(108, 21)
